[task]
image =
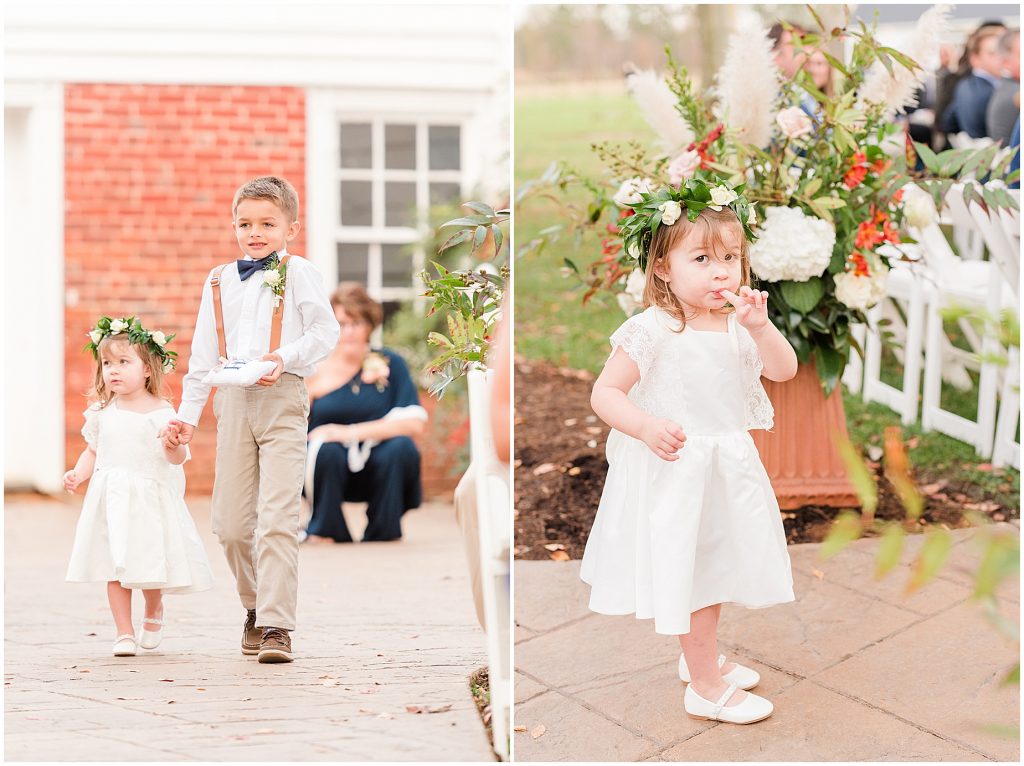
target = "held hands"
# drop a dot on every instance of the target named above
(71, 482)
(271, 379)
(751, 308)
(176, 433)
(663, 437)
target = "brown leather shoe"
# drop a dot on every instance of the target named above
(276, 646)
(251, 635)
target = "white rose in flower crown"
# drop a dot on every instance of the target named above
(629, 193)
(918, 208)
(168, 365)
(683, 167)
(95, 336)
(791, 245)
(751, 216)
(794, 122)
(272, 278)
(159, 338)
(633, 251)
(632, 298)
(670, 212)
(720, 196)
(118, 326)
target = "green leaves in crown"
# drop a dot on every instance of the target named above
(693, 195)
(155, 341)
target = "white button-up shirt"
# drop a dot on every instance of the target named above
(309, 329)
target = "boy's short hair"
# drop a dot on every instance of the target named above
(272, 188)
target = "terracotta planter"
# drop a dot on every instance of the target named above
(799, 454)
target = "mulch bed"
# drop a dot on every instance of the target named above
(560, 469)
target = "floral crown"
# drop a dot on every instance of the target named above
(155, 341)
(664, 206)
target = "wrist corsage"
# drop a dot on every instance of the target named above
(274, 277)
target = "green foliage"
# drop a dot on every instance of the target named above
(470, 301)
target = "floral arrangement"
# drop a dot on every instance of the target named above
(829, 173)
(275, 276)
(155, 341)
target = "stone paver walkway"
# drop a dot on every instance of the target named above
(856, 671)
(381, 626)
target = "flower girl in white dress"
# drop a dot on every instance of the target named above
(134, 530)
(688, 519)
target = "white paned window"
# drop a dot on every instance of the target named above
(390, 171)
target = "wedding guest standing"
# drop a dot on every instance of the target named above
(1004, 108)
(364, 411)
(973, 92)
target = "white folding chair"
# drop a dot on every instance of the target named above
(970, 284)
(907, 284)
(1006, 450)
(494, 515)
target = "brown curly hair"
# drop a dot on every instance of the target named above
(356, 302)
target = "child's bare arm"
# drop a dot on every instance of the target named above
(175, 455)
(82, 471)
(611, 403)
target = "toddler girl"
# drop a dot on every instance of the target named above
(688, 519)
(134, 531)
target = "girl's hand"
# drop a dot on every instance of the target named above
(751, 308)
(71, 482)
(170, 435)
(663, 437)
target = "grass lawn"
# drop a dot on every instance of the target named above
(553, 325)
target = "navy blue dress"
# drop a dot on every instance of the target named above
(390, 480)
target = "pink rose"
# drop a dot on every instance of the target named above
(794, 122)
(683, 167)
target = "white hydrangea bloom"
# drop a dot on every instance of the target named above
(791, 245)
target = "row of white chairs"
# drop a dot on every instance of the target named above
(917, 292)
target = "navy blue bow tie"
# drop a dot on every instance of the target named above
(246, 268)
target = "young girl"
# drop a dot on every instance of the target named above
(134, 531)
(688, 519)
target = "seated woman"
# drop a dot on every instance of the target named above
(364, 407)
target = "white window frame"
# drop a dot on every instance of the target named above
(326, 110)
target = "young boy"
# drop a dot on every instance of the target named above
(261, 429)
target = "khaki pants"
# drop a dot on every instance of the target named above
(261, 454)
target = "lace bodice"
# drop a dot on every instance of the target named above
(709, 382)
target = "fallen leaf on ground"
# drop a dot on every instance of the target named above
(575, 471)
(538, 731)
(264, 731)
(818, 573)
(169, 680)
(931, 489)
(85, 670)
(560, 556)
(544, 468)
(985, 467)
(594, 430)
(365, 710)
(570, 422)
(519, 728)
(554, 547)
(387, 716)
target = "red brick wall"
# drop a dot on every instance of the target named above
(150, 173)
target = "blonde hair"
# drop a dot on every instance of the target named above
(273, 189)
(353, 298)
(708, 226)
(151, 361)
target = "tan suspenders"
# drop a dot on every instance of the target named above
(218, 312)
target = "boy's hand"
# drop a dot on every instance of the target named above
(71, 482)
(271, 379)
(663, 437)
(751, 308)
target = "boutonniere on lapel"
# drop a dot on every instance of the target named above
(274, 276)
(375, 370)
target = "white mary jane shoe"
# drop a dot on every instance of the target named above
(124, 645)
(744, 677)
(150, 639)
(751, 710)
